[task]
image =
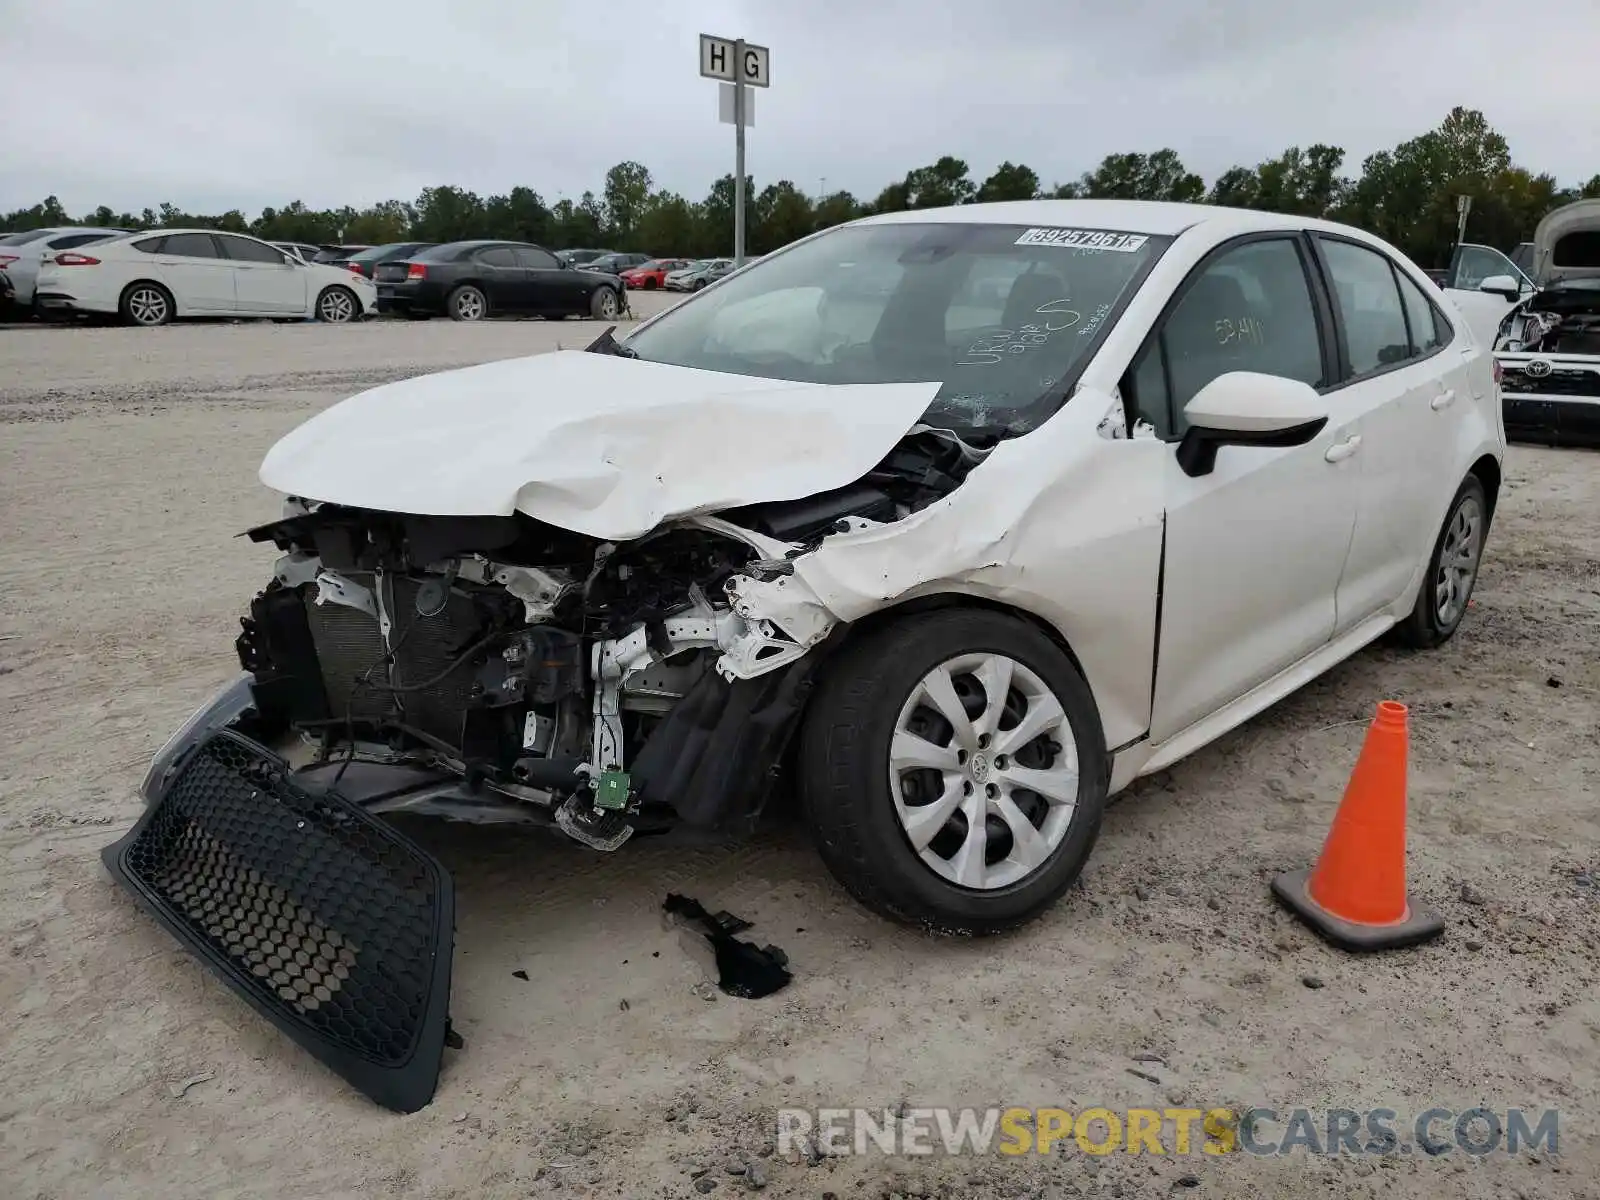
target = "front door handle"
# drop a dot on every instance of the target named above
(1343, 450)
(1443, 399)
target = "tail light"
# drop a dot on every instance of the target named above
(355, 268)
(416, 271)
(7, 259)
(75, 260)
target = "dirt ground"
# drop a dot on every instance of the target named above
(127, 465)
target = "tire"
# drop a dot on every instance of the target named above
(851, 805)
(147, 304)
(467, 303)
(650, 285)
(604, 304)
(337, 306)
(698, 284)
(1446, 590)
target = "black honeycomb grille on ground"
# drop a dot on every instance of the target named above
(329, 922)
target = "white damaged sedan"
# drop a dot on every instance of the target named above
(959, 519)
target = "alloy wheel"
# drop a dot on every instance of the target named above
(336, 306)
(148, 306)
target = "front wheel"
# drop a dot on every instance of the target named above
(337, 305)
(603, 304)
(467, 303)
(698, 284)
(953, 771)
(1452, 570)
(650, 285)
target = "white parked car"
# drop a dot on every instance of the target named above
(21, 253)
(161, 275)
(961, 561)
(1471, 266)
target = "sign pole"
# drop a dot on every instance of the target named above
(738, 154)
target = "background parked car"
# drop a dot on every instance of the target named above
(615, 264)
(364, 262)
(153, 277)
(304, 250)
(698, 274)
(21, 253)
(469, 281)
(574, 258)
(333, 254)
(653, 274)
(8, 295)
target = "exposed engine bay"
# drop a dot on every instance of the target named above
(1557, 320)
(524, 672)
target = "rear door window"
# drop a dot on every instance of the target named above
(499, 256)
(1367, 297)
(190, 245)
(1422, 318)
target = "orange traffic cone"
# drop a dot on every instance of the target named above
(1356, 895)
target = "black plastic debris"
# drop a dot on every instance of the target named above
(743, 968)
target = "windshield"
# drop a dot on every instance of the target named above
(1001, 316)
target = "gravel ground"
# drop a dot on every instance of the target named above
(127, 465)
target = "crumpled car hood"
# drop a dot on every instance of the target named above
(596, 443)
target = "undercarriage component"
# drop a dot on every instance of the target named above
(582, 821)
(324, 919)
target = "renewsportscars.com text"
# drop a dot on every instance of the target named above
(1165, 1131)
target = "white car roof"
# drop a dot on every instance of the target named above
(1158, 218)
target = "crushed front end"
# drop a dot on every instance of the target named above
(486, 669)
(500, 669)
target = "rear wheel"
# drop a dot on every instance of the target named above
(467, 303)
(953, 771)
(146, 304)
(1452, 570)
(337, 305)
(603, 304)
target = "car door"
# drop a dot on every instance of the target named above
(265, 279)
(1393, 394)
(503, 279)
(1469, 267)
(1255, 547)
(553, 287)
(194, 270)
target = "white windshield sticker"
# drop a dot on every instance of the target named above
(1083, 239)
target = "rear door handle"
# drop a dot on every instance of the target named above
(1343, 450)
(1443, 400)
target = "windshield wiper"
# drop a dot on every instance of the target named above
(607, 344)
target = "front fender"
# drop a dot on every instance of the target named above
(223, 710)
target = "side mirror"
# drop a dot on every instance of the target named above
(1502, 285)
(1244, 408)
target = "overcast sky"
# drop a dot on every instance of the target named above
(216, 104)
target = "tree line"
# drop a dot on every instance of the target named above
(1406, 195)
